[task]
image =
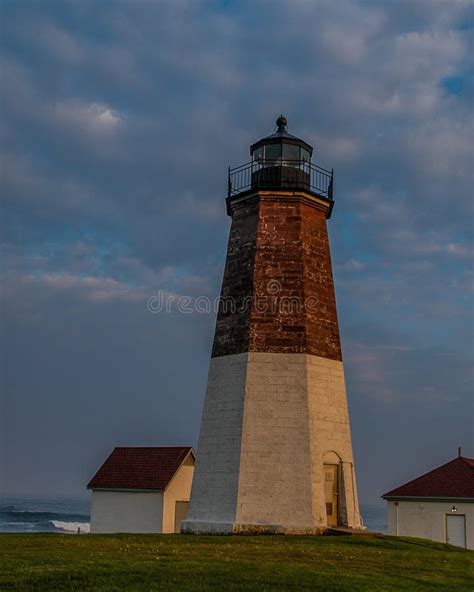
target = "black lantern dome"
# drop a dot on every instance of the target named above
(281, 162)
(281, 148)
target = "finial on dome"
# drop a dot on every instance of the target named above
(281, 123)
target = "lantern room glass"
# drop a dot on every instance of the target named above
(273, 153)
(258, 155)
(281, 154)
(291, 154)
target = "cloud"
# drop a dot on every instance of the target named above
(62, 45)
(375, 373)
(94, 118)
(93, 288)
(427, 55)
(350, 265)
(39, 190)
(349, 34)
(444, 146)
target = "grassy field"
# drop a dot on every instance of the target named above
(144, 563)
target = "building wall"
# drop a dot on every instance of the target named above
(216, 476)
(269, 421)
(278, 276)
(275, 463)
(330, 433)
(178, 490)
(126, 511)
(232, 333)
(427, 519)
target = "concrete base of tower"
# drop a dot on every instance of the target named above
(274, 452)
(196, 527)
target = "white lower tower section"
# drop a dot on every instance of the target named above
(272, 424)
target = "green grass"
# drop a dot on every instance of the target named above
(142, 563)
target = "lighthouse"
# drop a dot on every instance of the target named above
(275, 451)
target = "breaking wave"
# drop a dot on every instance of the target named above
(41, 516)
(82, 527)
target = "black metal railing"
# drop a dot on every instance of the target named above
(291, 174)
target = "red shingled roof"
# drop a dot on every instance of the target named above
(454, 479)
(139, 468)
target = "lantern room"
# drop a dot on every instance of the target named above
(282, 162)
(281, 149)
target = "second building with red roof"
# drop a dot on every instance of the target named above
(439, 505)
(142, 489)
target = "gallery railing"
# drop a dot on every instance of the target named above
(291, 174)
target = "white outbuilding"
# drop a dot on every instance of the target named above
(142, 490)
(439, 505)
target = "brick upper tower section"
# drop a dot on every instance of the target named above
(278, 291)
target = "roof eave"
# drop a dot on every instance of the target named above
(142, 490)
(190, 453)
(431, 498)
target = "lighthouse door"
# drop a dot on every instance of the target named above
(331, 493)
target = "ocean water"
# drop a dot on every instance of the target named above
(68, 515)
(375, 517)
(65, 515)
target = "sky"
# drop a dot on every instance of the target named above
(118, 122)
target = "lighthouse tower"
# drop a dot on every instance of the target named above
(275, 451)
